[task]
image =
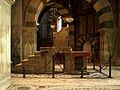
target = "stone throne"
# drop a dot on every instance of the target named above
(60, 45)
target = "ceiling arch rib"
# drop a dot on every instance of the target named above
(33, 12)
(99, 6)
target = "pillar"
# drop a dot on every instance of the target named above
(29, 42)
(16, 34)
(5, 43)
(107, 43)
(116, 57)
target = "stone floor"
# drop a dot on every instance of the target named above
(93, 81)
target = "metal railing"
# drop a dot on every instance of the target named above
(54, 58)
(104, 66)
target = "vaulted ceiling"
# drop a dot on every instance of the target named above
(79, 7)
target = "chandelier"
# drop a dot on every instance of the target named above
(69, 19)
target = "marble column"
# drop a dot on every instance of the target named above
(116, 11)
(107, 44)
(29, 42)
(5, 43)
(16, 33)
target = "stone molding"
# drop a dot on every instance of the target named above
(10, 1)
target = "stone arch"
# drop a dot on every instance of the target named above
(102, 7)
(104, 11)
(87, 46)
(81, 41)
(36, 8)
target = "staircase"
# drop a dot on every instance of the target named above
(40, 62)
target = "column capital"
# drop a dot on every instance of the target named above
(10, 1)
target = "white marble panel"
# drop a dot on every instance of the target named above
(5, 42)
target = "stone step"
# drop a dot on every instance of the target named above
(25, 60)
(37, 53)
(18, 68)
(18, 65)
(31, 56)
(34, 64)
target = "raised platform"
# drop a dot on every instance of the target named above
(41, 61)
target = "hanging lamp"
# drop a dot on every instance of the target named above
(69, 19)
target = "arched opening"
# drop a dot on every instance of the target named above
(87, 47)
(59, 23)
(86, 32)
(45, 31)
(50, 26)
(82, 29)
(102, 8)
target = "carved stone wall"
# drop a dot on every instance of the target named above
(5, 43)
